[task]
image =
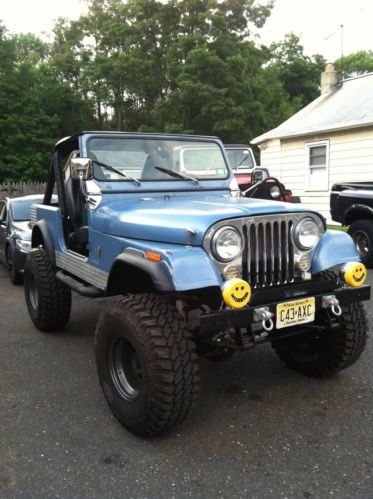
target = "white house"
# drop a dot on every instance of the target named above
(329, 141)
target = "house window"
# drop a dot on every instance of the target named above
(317, 166)
(317, 156)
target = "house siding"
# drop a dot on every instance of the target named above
(350, 160)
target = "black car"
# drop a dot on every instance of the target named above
(351, 204)
(15, 233)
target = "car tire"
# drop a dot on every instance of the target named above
(361, 232)
(48, 300)
(14, 275)
(327, 351)
(146, 363)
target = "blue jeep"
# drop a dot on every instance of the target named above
(157, 221)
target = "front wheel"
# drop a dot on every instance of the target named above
(14, 275)
(146, 363)
(327, 351)
(48, 300)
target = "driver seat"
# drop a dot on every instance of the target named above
(76, 211)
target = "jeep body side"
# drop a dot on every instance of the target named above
(197, 270)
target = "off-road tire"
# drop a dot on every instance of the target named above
(364, 227)
(14, 275)
(167, 381)
(327, 352)
(48, 300)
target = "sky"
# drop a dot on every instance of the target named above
(317, 22)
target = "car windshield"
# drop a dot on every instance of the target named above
(147, 159)
(241, 158)
(21, 209)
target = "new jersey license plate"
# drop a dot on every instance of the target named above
(297, 312)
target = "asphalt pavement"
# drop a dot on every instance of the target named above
(259, 429)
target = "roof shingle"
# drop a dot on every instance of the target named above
(350, 105)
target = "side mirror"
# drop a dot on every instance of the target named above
(81, 169)
(259, 174)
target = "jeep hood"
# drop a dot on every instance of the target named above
(168, 219)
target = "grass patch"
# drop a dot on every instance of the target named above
(337, 227)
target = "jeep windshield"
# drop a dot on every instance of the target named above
(240, 159)
(146, 159)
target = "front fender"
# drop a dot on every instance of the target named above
(335, 248)
(180, 269)
(41, 234)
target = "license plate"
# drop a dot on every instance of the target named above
(293, 313)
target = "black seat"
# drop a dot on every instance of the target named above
(78, 240)
(77, 214)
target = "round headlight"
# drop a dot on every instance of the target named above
(275, 192)
(306, 234)
(226, 244)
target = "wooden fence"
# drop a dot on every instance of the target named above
(21, 189)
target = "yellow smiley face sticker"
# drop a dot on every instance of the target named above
(354, 274)
(236, 293)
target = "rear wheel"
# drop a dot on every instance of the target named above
(48, 300)
(146, 363)
(361, 232)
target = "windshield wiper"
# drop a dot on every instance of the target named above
(244, 159)
(114, 170)
(172, 173)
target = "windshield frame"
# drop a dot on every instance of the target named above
(176, 138)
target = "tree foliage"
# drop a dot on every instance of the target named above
(355, 64)
(189, 66)
(36, 108)
(299, 74)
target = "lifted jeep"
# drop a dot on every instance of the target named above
(158, 222)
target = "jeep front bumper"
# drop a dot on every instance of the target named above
(217, 321)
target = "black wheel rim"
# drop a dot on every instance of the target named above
(362, 242)
(125, 369)
(10, 264)
(33, 292)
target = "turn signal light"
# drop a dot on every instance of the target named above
(153, 256)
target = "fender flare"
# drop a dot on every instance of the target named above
(42, 226)
(156, 270)
(358, 207)
(335, 248)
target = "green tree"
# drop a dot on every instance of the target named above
(36, 109)
(355, 64)
(300, 74)
(163, 66)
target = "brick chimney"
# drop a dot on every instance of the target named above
(329, 79)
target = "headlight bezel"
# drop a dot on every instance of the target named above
(296, 234)
(214, 241)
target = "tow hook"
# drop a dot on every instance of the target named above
(264, 316)
(331, 301)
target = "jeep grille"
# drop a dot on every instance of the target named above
(268, 257)
(269, 254)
